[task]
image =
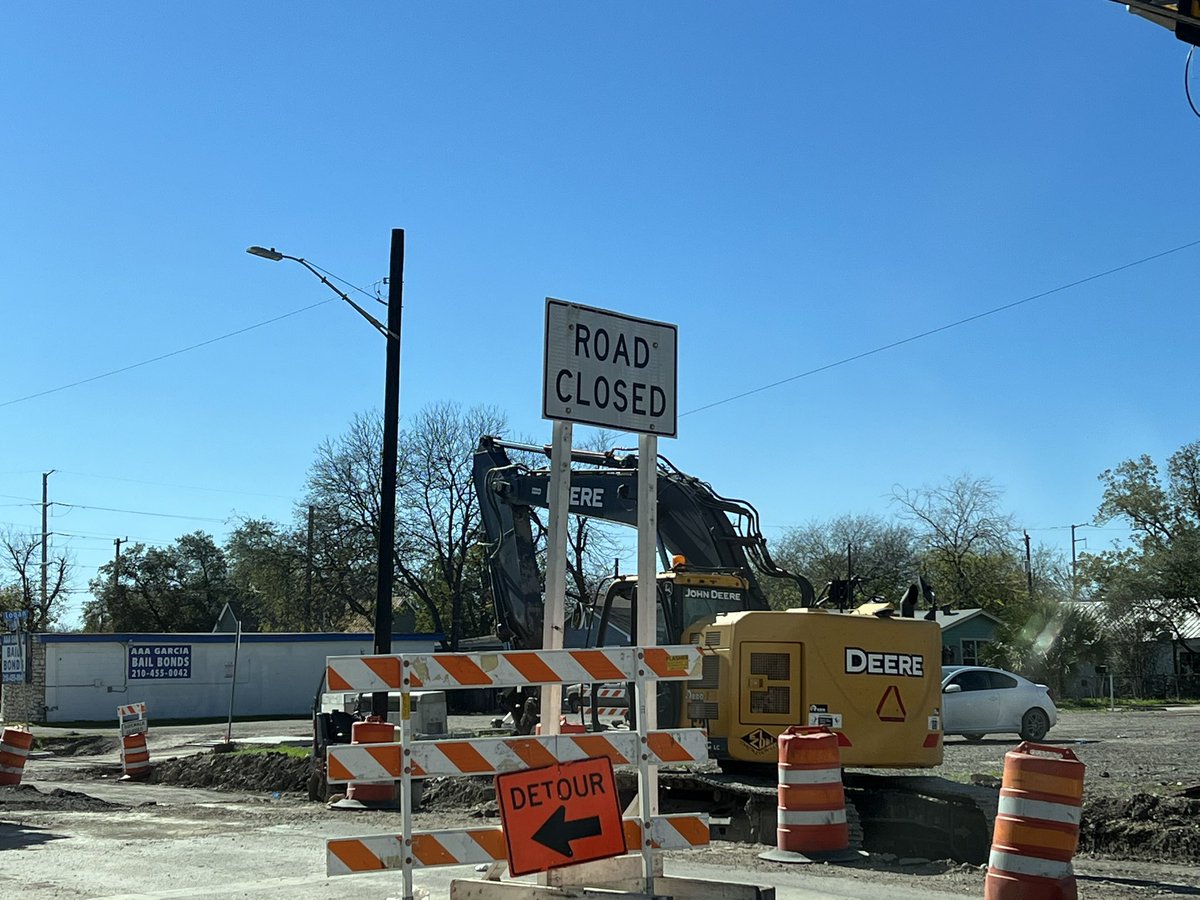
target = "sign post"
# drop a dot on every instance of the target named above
(615, 371)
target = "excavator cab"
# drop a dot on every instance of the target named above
(687, 597)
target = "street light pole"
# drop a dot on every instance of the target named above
(385, 560)
(391, 439)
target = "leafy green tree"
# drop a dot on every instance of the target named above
(965, 544)
(1157, 576)
(1049, 641)
(180, 587)
(267, 568)
(883, 555)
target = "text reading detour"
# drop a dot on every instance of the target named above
(560, 815)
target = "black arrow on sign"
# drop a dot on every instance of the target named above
(557, 833)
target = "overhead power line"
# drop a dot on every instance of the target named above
(140, 512)
(185, 487)
(932, 331)
(146, 362)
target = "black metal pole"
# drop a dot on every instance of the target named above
(391, 439)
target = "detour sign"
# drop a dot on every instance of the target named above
(560, 815)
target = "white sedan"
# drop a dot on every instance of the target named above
(977, 701)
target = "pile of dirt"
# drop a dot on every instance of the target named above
(80, 745)
(26, 796)
(475, 797)
(235, 772)
(1143, 826)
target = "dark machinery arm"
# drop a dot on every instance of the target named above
(693, 521)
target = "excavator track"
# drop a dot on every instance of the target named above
(906, 815)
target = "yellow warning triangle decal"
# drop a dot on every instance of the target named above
(891, 707)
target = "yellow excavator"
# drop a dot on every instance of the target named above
(871, 674)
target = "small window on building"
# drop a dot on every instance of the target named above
(970, 652)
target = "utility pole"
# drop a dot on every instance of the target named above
(1029, 565)
(116, 579)
(391, 438)
(308, 570)
(45, 534)
(1074, 581)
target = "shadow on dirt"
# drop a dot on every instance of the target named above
(14, 836)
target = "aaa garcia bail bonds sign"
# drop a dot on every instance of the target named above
(160, 661)
(608, 369)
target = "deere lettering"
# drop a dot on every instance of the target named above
(586, 496)
(710, 594)
(862, 662)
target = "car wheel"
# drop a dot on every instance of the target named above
(1034, 725)
(974, 738)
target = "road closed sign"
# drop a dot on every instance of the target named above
(608, 369)
(560, 815)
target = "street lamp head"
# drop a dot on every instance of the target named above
(271, 254)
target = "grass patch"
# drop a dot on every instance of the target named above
(1096, 703)
(261, 749)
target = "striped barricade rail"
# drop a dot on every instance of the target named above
(377, 762)
(507, 757)
(514, 668)
(131, 719)
(455, 847)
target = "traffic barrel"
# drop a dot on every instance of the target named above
(135, 757)
(375, 794)
(14, 750)
(812, 804)
(1037, 828)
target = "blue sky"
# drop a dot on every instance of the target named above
(791, 184)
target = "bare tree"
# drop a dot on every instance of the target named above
(965, 540)
(21, 563)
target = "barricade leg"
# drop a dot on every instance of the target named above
(1037, 829)
(135, 757)
(14, 749)
(812, 802)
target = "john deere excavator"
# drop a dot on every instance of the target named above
(871, 674)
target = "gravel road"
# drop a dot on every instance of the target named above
(95, 838)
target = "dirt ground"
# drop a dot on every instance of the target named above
(1140, 835)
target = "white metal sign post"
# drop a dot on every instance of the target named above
(615, 371)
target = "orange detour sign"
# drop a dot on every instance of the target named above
(560, 815)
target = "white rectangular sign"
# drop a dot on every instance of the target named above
(608, 369)
(13, 657)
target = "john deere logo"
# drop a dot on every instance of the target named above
(758, 740)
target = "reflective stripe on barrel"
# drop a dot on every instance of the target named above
(1037, 828)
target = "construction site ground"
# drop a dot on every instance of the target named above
(226, 825)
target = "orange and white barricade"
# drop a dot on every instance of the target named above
(812, 803)
(408, 759)
(1037, 828)
(14, 750)
(134, 726)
